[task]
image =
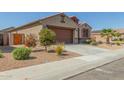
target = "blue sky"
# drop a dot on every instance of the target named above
(98, 20)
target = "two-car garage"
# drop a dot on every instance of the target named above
(63, 34)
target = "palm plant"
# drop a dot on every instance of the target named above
(108, 33)
(117, 35)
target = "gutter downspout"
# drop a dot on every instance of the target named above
(78, 35)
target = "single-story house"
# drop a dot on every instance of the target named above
(97, 36)
(67, 29)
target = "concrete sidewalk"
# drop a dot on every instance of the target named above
(63, 69)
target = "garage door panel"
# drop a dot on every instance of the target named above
(63, 35)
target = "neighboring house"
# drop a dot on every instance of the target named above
(67, 29)
(97, 35)
(121, 31)
(4, 40)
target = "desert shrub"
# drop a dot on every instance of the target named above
(94, 43)
(21, 53)
(30, 40)
(47, 37)
(1, 54)
(100, 42)
(118, 43)
(59, 49)
(121, 39)
(62, 45)
(88, 41)
(115, 39)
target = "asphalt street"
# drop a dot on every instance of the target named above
(111, 71)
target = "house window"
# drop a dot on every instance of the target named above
(85, 33)
(62, 18)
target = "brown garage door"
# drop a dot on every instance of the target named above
(63, 34)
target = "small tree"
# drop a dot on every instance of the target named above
(30, 40)
(1, 54)
(47, 37)
(108, 33)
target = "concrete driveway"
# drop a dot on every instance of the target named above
(85, 49)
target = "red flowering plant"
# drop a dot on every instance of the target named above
(30, 40)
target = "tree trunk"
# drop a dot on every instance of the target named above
(108, 40)
(118, 38)
(46, 48)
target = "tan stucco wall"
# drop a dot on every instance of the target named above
(75, 33)
(98, 37)
(5, 39)
(29, 30)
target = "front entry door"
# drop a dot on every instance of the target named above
(17, 39)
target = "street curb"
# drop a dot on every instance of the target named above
(91, 69)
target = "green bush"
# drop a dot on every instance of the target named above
(1, 54)
(21, 53)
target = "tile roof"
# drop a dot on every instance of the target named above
(6, 29)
